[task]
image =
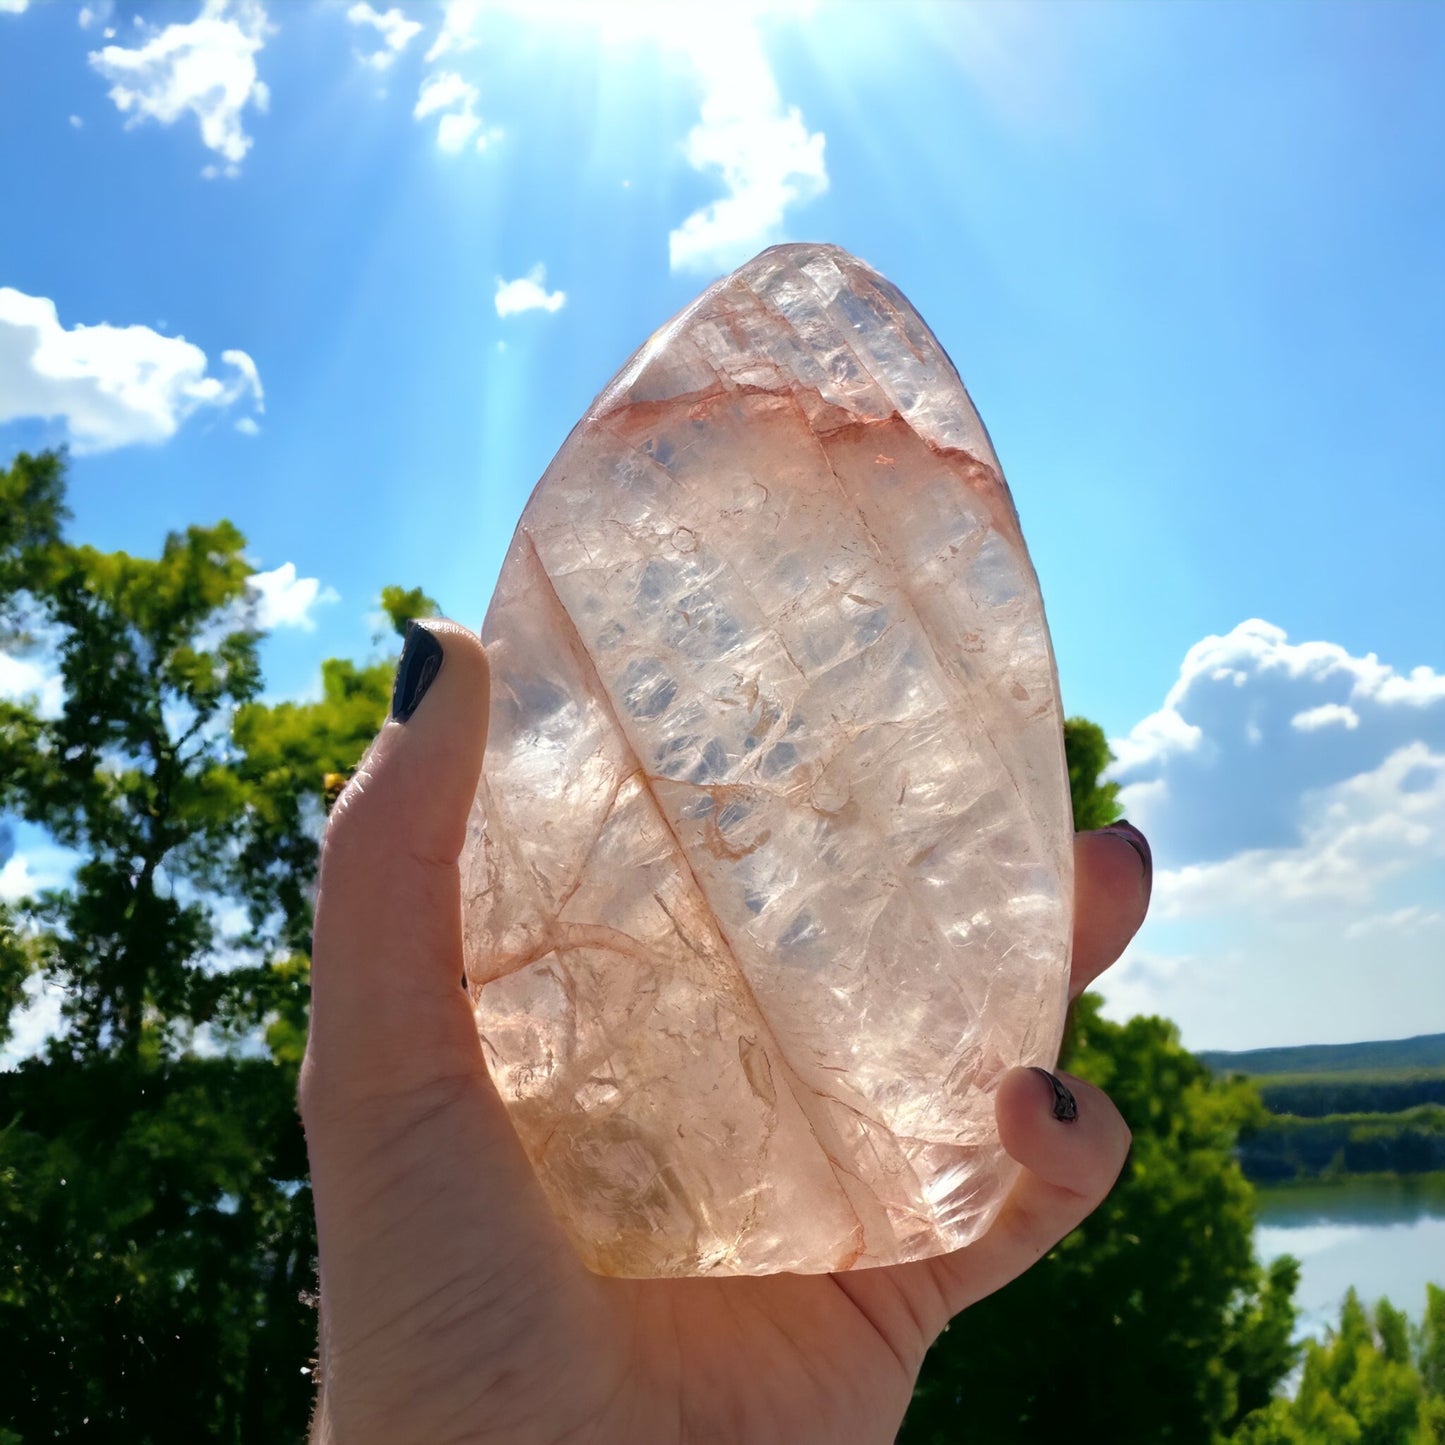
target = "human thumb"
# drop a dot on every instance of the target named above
(432, 1230)
(387, 1012)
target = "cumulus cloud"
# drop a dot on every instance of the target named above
(454, 103)
(1155, 738)
(458, 30)
(762, 151)
(1295, 795)
(1255, 721)
(1353, 838)
(110, 386)
(285, 600)
(96, 13)
(528, 293)
(14, 7)
(394, 30)
(205, 67)
(1327, 714)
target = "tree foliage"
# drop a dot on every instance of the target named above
(403, 605)
(155, 1222)
(1086, 749)
(1374, 1380)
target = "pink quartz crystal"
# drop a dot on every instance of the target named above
(769, 878)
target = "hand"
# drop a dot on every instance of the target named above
(453, 1309)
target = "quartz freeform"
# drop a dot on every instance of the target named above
(769, 877)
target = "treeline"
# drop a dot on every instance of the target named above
(1338, 1109)
(1315, 1096)
(1425, 1052)
(1288, 1147)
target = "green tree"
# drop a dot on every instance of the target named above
(1372, 1381)
(155, 1221)
(1096, 803)
(406, 604)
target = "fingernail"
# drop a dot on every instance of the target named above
(421, 660)
(1066, 1107)
(1140, 844)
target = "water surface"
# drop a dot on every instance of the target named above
(1386, 1237)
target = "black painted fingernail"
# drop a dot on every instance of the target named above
(421, 660)
(1139, 843)
(1066, 1107)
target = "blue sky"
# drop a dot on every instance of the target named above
(1187, 258)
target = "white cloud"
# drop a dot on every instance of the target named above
(248, 426)
(1422, 687)
(16, 879)
(459, 22)
(454, 102)
(38, 865)
(1155, 738)
(1354, 837)
(251, 378)
(1310, 713)
(205, 68)
(37, 1019)
(760, 150)
(285, 600)
(763, 152)
(28, 679)
(1407, 921)
(14, 7)
(76, 122)
(110, 385)
(96, 13)
(528, 293)
(394, 30)
(1295, 797)
(1327, 714)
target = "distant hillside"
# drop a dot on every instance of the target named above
(1336, 1110)
(1426, 1051)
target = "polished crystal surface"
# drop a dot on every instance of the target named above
(769, 878)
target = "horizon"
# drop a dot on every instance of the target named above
(1350, 1044)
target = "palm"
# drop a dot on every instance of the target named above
(785, 1358)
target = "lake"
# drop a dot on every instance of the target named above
(1385, 1237)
